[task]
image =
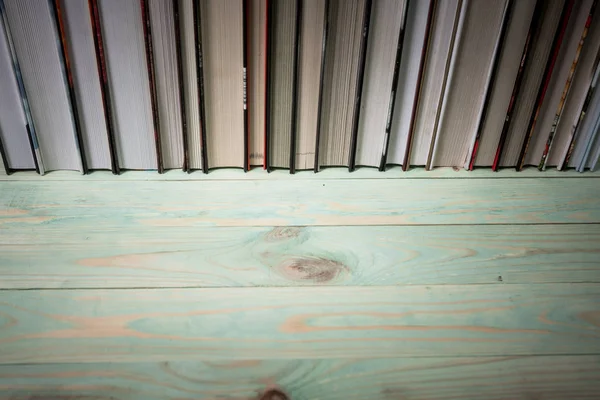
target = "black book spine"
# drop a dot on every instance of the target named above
(419, 88)
(104, 85)
(200, 81)
(359, 83)
(152, 82)
(395, 76)
(270, 28)
(294, 127)
(493, 75)
(178, 44)
(321, 83)
(67, 71)
(246, 33)
(556, 43)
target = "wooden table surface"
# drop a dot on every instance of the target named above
(417, 285)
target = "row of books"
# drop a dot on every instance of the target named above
(298, 84)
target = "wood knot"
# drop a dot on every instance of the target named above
(273, 394)
(313, 269)
(283, 233)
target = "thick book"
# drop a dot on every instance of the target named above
(340, 81)
(525, 101)
(282, 73)
(502, 86)
(445, 15)
(122, 27)
(561, 79)
(384, 33)
(585, 133)
(221, 23)
(188, 22)
(469, 82)
(312, 35)
(415, 39)
(37, 47)
(256, 76)
(165, 43)
(14, 141)
(86, 82)
(576, 99)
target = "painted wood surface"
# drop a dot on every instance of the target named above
(82, 205)
(46, 326)
(490, 378)
(258, 173)
(48, 257)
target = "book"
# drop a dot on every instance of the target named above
(14, 141)
(37, 46)
(257, 80)
(221, 23)
(86, 82)
(416, 31)
(585, 133)
(445, 21)
(188, 25)
(500, 92)
(525, 101)
(469, 81)
(282, 73)
(312, 35)
(165, 44)
(346, 20)
(559, 85)
(579, 96)
(384, 33)
(127, 71)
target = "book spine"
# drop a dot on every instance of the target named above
(419, 87)
(246, 44)
(556, 43)
(566, 89)
(270, 29)
(200, 81)
(104, 84)
(396, 74)
(321, 83)
(526, 55)
(459, 19)
(491, 82)
(180, 82)
(586, 103)
(266, 86)
(362, 60)
(67, 71)
(152, 82)
(33, 140)
(294, 122)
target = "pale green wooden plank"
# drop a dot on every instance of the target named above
(326, 173)
(526, 378)
(293, 256)
(80, 205)
(46, 326)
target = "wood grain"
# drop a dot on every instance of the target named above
(61, 257)
(490, 378)
(46, 326)
(82, 205)
(258, 173)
